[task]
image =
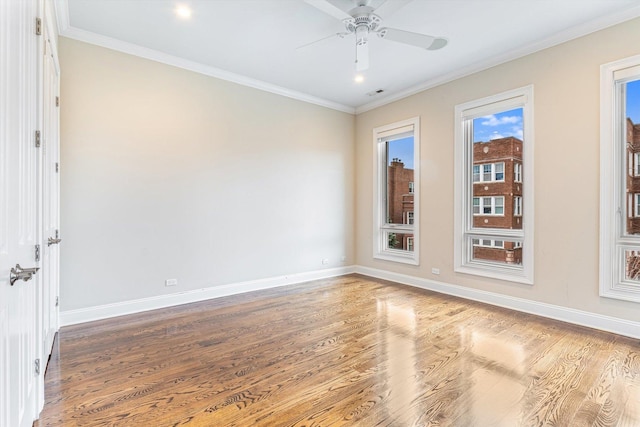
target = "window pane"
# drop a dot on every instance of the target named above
(399, 241)
(632, 146)
(486, 172)
(499, 171)
(399, 179)
(499, 205)
(498, 251)
(497, 150)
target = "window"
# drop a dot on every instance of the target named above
(517, 172)
(396, 215)
(488, 243)
(494, 224)
(490, 172)
(488, 205)
(620, 224)
(410, 243)
(409, 218)
(517, 206)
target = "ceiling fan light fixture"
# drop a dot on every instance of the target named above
(183, 11)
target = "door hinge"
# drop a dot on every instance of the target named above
(36, 364)
(57, 167)
(37, 139)
(57, 101)
(37, 253)
(38, 27)
(57, 301)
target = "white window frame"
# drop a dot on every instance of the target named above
(381, 227)
(492, 205)
(517, 172)
(464, 231)
(409, 217)
(517, 206)
(411, 186)
(636, 164)
(493, 171)
(492, 243)
(613, 240)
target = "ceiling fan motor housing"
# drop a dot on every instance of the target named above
(369, 21)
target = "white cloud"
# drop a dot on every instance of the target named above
(517, 132)
(496, 135)
(492, 120)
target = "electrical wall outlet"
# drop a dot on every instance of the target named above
(171, 282)
(325, 261)
(435, 271)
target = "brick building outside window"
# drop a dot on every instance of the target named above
(497, 196)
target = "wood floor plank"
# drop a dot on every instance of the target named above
(349, 351)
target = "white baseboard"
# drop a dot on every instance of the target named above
(584, 318)
(72, 317)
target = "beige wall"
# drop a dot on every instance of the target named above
(566, 119)
(168, 173)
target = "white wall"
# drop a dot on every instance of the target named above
(566, 119)
(167, 173)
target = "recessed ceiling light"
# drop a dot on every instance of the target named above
(183, 11)
(359, 78)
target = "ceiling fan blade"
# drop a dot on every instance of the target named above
(362, 56)
(329, 9)
(389, 7)
(341, 35)
(415, 39)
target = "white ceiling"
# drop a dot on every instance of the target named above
(255, 42)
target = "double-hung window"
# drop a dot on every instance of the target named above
(619, 180)
(397, 189)
(517, 172)
(491, 172)
(494, 208)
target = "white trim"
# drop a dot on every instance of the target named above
(463, 186)
(66, 30)
(72, 317)
(392, 132)
(565, 314)
(584, 29)
(578, 317)
(613, 155)
(605, 21)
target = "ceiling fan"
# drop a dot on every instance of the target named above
(359, 19)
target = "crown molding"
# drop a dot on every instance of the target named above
(66, 30)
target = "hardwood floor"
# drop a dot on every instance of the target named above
(350, 351)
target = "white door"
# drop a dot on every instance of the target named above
(19, 211)
(50, 198)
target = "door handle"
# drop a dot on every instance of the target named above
(24, 274)
(52, 241)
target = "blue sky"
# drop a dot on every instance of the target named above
(499, 125)
(403, 150)
(633, 101)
